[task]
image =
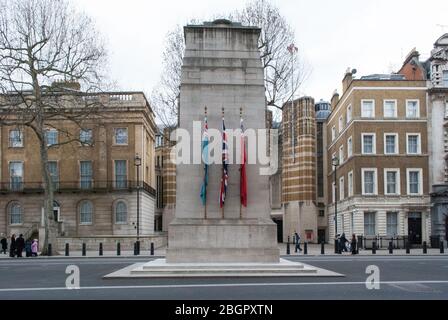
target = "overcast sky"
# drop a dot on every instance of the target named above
(371, 36)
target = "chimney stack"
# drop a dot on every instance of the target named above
(335, 98)
(347, 80)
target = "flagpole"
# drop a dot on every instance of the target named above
(205, 204)
(222, 209)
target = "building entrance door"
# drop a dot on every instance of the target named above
(320, 235)
(279, 223)
(415, 227)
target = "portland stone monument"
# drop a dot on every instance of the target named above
(221, 70)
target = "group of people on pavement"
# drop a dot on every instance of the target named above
(344, 245)
(18, 245)
(347, 246)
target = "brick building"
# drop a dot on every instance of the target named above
(95, 183)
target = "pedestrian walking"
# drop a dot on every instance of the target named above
(28, 248)
(12, 246)
(4, 243)
(342, 241)
(354, 244)
(20, 245)
(297, 241)
(34, 248)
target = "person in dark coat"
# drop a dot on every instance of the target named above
(342, 241)
(28, 248)
(354, 244)
(20, 245)
(12, 246)
(297, 242)
(4, 243)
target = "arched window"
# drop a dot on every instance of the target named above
(15, 213)
(86, 212)
(121, 212)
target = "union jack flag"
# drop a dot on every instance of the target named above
(225, 162)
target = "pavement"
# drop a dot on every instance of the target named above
(313, 250)
(400, 277)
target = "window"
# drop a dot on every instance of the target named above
(341, 124)
(368, 143)
(349, 113)
(445, 78)
(120, 174)
(341, 188)
(86, 174)
(15, 213)
(121, 212)
(368, 109)
(333, 133)
(392, 224)
(121, 136)
(412, 108)
(390, 108)
(51, 136)
(369, 223)
(341, 154)
(54, 173)
(391, 181)
(86, 213)
(349, 147)
(369, 181)
(16, 138)
(414, 183)
(321, 213)
(390, 143)
(86, 137)
(413, 143)
(16, 175)
(350, 184)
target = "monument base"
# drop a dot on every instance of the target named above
(223, 241)
(161, 269)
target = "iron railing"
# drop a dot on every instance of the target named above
(76, 186)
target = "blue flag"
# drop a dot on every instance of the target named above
(205, 159)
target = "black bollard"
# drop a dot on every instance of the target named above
(118, 249)
(391, 248)
(373, 247)
(425, 247)
(408, 247)
(305, 248)
(288, 251)
(336, 246)
(101, 249)
(152, 248)
(442, 249)
(83, 249)
(138, 247)
(322, 248)
(135, 248)
(50, 253)
(67, 250)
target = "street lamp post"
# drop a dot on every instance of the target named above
(335, 162)
(138, 163)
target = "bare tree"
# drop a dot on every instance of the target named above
(281, 82)
(44, 44)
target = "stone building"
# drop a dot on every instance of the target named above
(95, 183)
(378, 131)
(435, 72)
(299, 169)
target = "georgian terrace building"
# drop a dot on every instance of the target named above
(378, 133)
(96, 182)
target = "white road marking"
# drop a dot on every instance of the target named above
(222, 285)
